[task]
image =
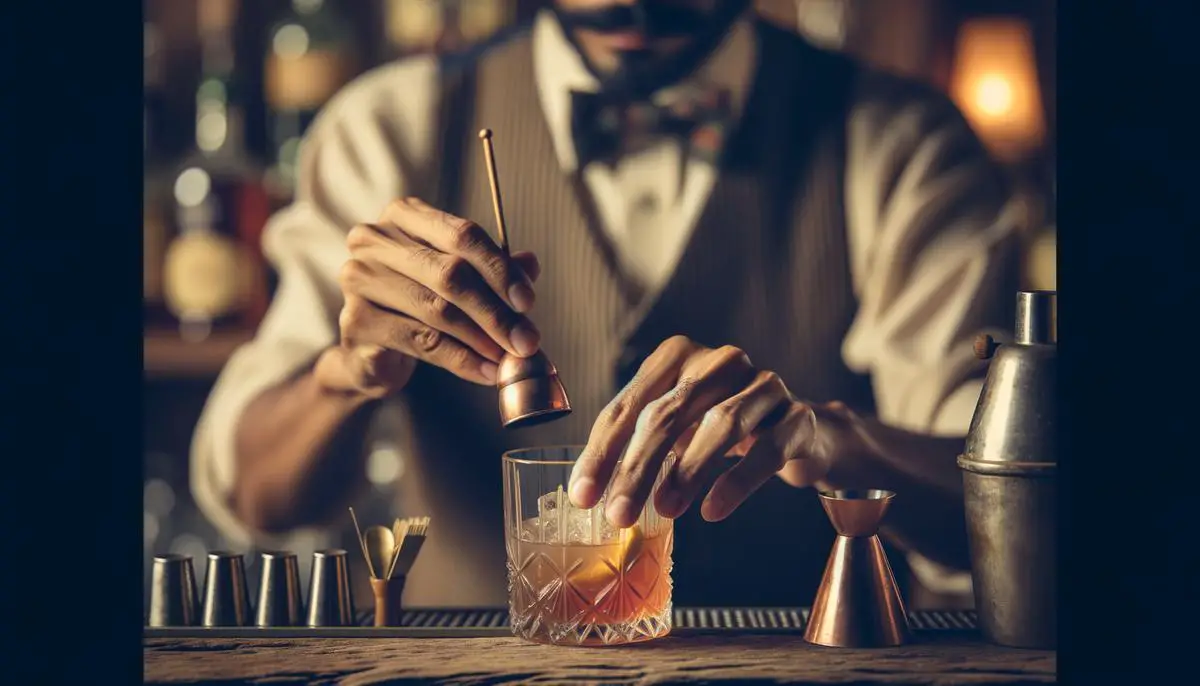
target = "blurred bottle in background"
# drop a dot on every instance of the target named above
(214, 274)
(412, 26)
(480, 19)
(440, 26)
(154, 221)
(310, 54)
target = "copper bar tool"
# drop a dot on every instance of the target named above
(858, 604)
(530, 390)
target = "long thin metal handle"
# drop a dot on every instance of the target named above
(497, 205)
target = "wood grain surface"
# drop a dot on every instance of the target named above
(691, 659)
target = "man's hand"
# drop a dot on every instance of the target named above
(422, 284)
(702, 405)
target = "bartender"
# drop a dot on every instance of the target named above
(759, 257)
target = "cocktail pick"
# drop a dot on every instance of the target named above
(362, 543)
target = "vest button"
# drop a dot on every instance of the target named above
(646, 204)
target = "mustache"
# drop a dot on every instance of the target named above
(650, 18)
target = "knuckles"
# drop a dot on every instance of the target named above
(425, 338)
(679, 344)
(773, 382)
(725, 420)
(615, 412)
(728, 355)
(401, 206)
(465, 236)
(438, 307)
(352, 274)
(361, 236)
(663, 413)
(454, 273)
(352, 316)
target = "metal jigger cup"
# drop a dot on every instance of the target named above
(279, 591)
(530, 391)
(226, 597)
(329, 599)
(858, 604)
(172, 591)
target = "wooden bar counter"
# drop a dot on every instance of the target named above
(700, 658)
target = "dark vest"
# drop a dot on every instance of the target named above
(766, 269)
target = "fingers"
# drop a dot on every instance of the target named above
(786, 443)
(811, 453)
(375, 295)
(365, 325)
(458, 287)
(723, 428)
(528, 262)
(707, 379)
(615, 424)
(457, 236)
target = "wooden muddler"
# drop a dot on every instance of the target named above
(387, 594)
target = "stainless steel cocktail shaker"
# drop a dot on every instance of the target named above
(1009, 481)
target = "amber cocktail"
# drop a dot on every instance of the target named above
(573, 578)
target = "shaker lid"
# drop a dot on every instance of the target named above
(1014, 426)
(1037, 318)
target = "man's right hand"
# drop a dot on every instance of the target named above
(422, 284)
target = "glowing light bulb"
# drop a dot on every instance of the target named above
(994, 95)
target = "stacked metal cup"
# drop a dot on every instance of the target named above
(225, 600)
(172, 591)
(279, 591)
(226, 597)
(329, 598)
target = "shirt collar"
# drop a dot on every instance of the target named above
(559, 69)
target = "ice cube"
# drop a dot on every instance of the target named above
(531, 530)
(551, 502)
(559, 522)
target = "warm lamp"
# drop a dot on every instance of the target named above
(995, 84)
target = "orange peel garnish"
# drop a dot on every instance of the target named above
(630, 542)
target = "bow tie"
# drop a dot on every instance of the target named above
(605, 127)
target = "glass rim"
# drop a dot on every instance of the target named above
(508, 455)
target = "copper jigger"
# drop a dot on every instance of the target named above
(858, 604)
(530, 390)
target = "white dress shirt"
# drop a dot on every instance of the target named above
(907, 333)
(651, 200)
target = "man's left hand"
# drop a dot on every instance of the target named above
(702, 405)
